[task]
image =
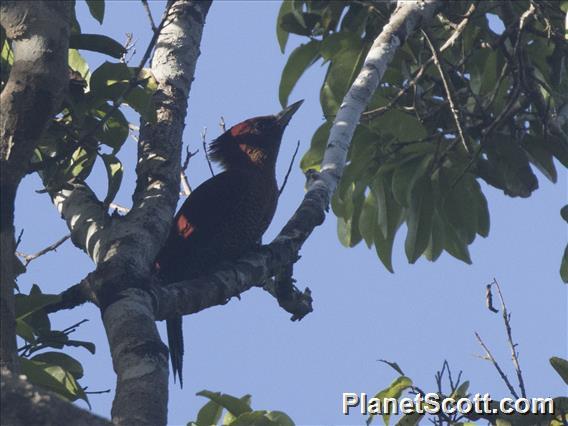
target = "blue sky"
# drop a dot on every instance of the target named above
(419, 316)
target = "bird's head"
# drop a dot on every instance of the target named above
(255, 141)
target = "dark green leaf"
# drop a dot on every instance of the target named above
(53, 378)
(232, 404)
(293, 22)
(340, 74)
(564, 266)
(28, 304)
(25, 331)
(298, 61)
(419, 219)
(105, 79)
(540, 156)
(564, 213)
(79, 343)
(406, 175)
(281, 34)
(461, 196)
(313, 157)
(115, 130)
(437, 237)
(64, 361)
(400, 125)
(393, 365)
(97, 43)
(114, 171)
(97, 9)
(453, 244)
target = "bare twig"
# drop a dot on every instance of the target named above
(19, 239)
(52, 247)
(289, 169)
(149, 14)
(222, 124)
(489, 299)
(369, 115)
(512, 345)
(203, 142)
(186, 187)
(449, 93)
(95, 392)
(497, 367)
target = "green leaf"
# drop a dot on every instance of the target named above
(28, 304)
(114, 171)
(97, 9)
(561, 367)
(254, 418)
(390, 217)
(453, 244)
(348, 229)
(406, 175)
(281, 34)
(115, 130)
(209, 414)
(419, 219)
(540, 156)
(399, 385)
(279, 418)
(460, 202)
(77, 63)
(64, 361)
(24, 330)
(233, 405)
(293, 22)
(53, 378)
(564, 266)
(105, 78)
(368, 219)
(80, 343)
(97, 43)
(400, 125)
(343, 69)
(298, 61)
(437, 236)
(313, 157)
(564, 213)
(483, 219)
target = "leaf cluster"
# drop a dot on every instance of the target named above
(91, 125)
(463, 102)
(54, 370)
(238, 412)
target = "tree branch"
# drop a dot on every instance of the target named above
(25, 404)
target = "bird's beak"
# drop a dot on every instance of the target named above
(284, 116)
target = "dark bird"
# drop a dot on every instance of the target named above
(226, 216)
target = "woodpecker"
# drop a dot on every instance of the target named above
(226, 216)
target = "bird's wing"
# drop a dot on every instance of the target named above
(200, 217)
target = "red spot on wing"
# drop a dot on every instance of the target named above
(185, 229)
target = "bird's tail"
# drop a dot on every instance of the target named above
(175, 343)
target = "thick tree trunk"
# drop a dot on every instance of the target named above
(39, 32)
